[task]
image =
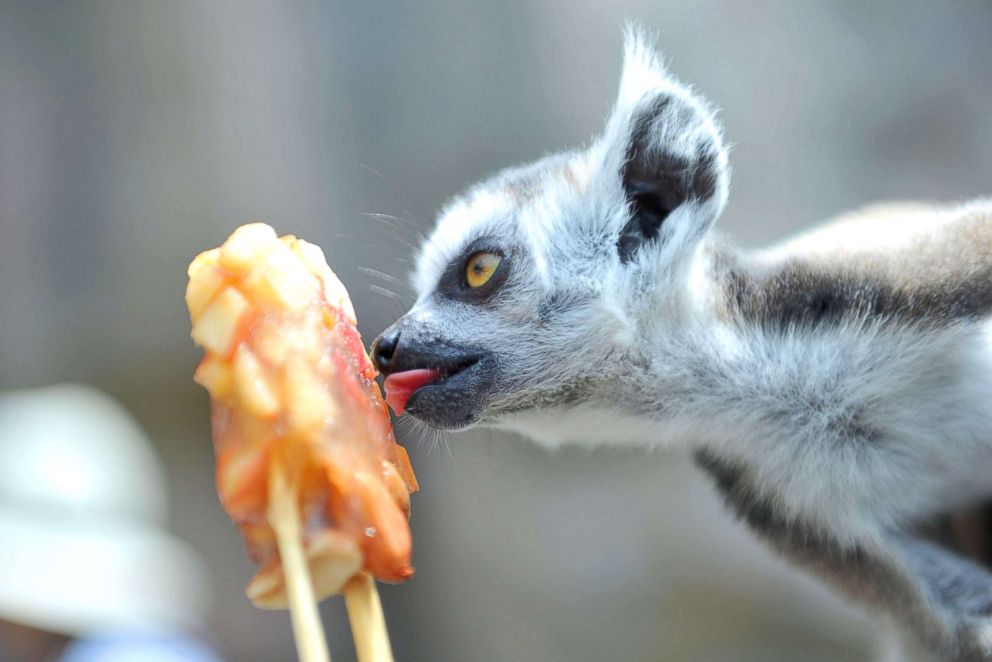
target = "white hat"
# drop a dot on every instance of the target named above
(83, 509)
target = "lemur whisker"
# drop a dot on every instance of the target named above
(375, 245)
(414, 222)
(397, 306)
(403, 425)
(447, 445)
(407, 426)
(385, 292)
(398, 223)
(391, 221)
(417, 201)
(397, 232)
(399, 282)
(436, 442)
(425, 435)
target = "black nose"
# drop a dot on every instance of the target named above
(384, 349)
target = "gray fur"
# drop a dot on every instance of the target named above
(836, 387)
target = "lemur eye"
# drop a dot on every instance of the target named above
(480, 268)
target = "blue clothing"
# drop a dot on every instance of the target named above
(139, 648)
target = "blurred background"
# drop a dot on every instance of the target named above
(135, 134)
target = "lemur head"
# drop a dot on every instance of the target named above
(544, 285)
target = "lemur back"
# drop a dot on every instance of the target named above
(912, 263)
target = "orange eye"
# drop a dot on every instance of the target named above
(480, 268)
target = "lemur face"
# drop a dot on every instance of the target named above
(537, 287)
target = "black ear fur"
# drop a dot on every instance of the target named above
(656, 178)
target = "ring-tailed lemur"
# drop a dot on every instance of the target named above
(836, 387)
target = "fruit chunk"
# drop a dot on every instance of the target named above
(281, 279)
(215, 376)
(218, 325)
(204, 282)
(333, 559)
(246, 246)
(254, 390)
(308, 406)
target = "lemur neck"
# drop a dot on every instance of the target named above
(691, 385)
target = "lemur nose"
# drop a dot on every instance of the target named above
(383, 350)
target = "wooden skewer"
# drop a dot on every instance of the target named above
(284, 516)
(368, 625)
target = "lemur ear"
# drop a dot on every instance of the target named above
(663, 144)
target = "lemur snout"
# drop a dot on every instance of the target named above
(384, 349)
(441, 382)
(400, 349)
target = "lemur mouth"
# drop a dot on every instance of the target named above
(401, 386)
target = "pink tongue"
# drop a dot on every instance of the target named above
(401, 385)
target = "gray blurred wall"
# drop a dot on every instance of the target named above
(134, 134)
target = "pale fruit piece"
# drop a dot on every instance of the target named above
(231, 475)
(333, 559)
(281, 280)
(308, 405)
(274, 346)
(217, 327)
(395, 484)
(246, 245)
(338, 295)
(202, 286)
(205, 259)
(215, 376)
(256, 394)
(334, 289)
(311, 254)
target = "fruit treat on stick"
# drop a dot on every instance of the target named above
(297, 417)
